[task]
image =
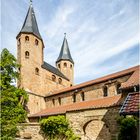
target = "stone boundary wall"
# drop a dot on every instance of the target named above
(30, 131)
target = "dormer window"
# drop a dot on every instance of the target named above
(27, 54)
(65, 65)
(105, 91)
(60, 81)
(53, 78)
(36, 42)
(26, 38)
(36, 71)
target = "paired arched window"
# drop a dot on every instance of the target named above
(53, 78)
(36, 42)
(36, 71)
(26, 38)
(65, 65)
(27, 54)
(60, 81)
(105, 91)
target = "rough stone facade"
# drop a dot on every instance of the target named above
(90, 93)
(39, 82)
(95, 124)
(29, 131)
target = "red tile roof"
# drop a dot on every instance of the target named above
(96, 103)
(132, 81)
(131, 104)
(99, 80)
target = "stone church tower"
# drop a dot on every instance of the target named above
(65, 62)
(38, 77)
(30, 50)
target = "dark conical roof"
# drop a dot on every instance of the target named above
(30, 23)
(65, 52)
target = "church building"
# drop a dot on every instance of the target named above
(91, 107)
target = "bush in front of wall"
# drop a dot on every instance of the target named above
(56, 128)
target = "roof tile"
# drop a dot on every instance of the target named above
(131, 104)
(96, 103)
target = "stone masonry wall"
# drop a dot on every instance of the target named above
(90, 93)
(95, 124)
(30, 131)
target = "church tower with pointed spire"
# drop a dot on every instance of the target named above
(29, 51)
(65, 62)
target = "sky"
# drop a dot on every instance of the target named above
(102, 34)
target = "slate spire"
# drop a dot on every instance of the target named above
(65, 52)
(30, 23)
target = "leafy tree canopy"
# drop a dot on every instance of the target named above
(128, 128)
(13, 99)
(56, 128)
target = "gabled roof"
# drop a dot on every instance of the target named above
(53, 70)
(99, 80)
(132, 81)
(96, 103)
(131, 104)
(65, 52)
(30, 23)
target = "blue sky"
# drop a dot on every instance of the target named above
(102, 34)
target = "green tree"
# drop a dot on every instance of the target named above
(128, 128)
(13, 99)
(57, 128)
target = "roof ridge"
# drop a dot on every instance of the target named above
(54, 70)
(95, 103)
(99, 80)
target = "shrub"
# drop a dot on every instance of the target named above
(57, 127)
(128, 128)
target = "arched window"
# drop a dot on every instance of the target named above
(19, 41)
(65, 65)
(26, 38)
(105, 91)
(36, 71)
(53, 78)
(59, 100)
(74, 98)
(83, 96)
(118, 85)
(36, 42)
(53, 101)
(27, 54)
(71, 66)
(59, 66)
(60, 81)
